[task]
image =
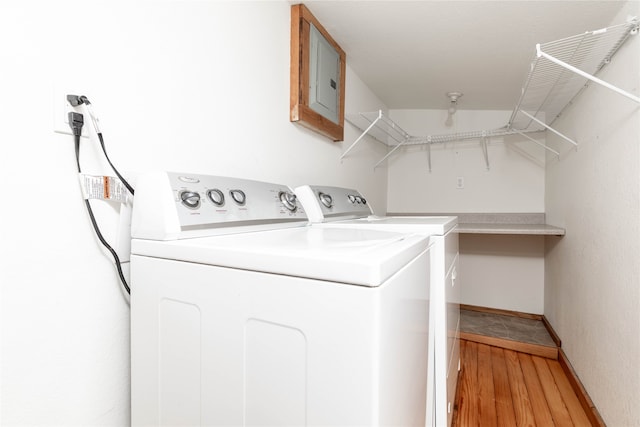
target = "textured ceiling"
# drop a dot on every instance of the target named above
(410, 53)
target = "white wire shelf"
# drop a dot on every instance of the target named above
(558, 73)
(384, 130)
(377, 125)
(561, 69)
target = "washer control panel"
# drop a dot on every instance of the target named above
(170, 205)
(325, 203)
(205, 199)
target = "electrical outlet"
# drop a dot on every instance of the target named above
(61, 109)
(460, 182)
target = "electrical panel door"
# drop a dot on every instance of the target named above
(324, 65)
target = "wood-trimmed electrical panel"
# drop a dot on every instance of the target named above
(301, 109)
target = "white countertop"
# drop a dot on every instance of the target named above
(499, 223)
(536, 229)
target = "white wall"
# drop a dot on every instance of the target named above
(505, 272)
(592, 295)
(513, 183)
(502, 271)
(178, 85)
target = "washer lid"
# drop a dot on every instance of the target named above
(348, 255)
(431, 225)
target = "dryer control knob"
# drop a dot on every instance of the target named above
(288, 200)
(238, 196)
(216, 197)
(326, 199)
(352, 198)
(190, 199)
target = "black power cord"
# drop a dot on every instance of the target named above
(76, 121)
(77, 100)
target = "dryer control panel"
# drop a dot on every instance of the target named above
(324, 203)
(171, 205)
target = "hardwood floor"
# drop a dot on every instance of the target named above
(501, 387)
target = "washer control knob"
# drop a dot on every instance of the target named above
(364, 201)
(238, 196)
(288, 200)
(190, 199)
(326, 199)
(352, 198)
(216, 197)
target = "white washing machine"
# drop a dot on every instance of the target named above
(345, 208)
(241, 314)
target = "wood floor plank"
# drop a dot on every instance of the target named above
(552, 394)
(576, 411)
(521, 404)
(538, 389)
(541, 410)
(468, 401)
(506, 417)
(486, 392)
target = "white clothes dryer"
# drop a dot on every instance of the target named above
(337, 207)
(243, 315)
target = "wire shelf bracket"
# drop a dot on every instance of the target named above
(391, 152)
(429, 152)
(546, 126)
(485, 150)
(524, 135)
(380, 127)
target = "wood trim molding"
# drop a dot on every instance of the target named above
(551, 331)
(534, 349)
(586, 402)
(500, 311)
